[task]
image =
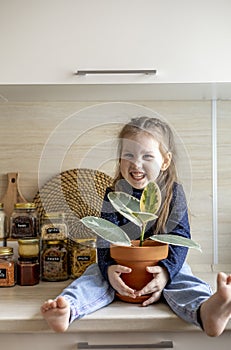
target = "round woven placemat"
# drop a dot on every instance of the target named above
(77, 193)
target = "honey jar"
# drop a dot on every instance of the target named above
(28, 248)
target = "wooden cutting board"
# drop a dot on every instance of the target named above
(12, 194)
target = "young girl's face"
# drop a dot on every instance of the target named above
(141, 159)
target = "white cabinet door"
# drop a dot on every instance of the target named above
(46, 42)
(165, 340)
(100, 341)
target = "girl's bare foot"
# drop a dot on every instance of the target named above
(216, 311)
(56, 313)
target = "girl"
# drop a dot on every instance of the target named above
(146, 152)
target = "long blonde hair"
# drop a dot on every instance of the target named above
(164, 135)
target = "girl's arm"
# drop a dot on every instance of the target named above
(110, 270)
(178, 224)
(103, 247)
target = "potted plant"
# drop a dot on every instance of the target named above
(136, 254)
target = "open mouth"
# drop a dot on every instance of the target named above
(137, 176)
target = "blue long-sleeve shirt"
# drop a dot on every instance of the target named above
(177, 223)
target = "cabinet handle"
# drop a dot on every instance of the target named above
(136, 71)
(168, 344)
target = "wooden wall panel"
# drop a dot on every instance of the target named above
(26, 127)
(192, 121)
(224, 180)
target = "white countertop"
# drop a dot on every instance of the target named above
(20, 312)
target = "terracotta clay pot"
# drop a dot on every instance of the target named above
(138, 258)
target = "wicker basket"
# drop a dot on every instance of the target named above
(75, 192)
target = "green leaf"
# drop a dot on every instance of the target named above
(126, 205)
(150, 200)
(176, 240)
(107, 230)
(125, 199)
(145, 217)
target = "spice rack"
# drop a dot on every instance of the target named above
(45, 252)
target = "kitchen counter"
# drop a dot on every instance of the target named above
(20, 313)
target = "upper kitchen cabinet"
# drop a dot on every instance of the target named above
(47, 41)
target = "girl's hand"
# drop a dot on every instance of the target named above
(114, 272)
(156, 286)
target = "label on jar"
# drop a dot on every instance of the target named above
(83, 258)
(53, 230)
(3, 273)
(22, 224)
(52, 258)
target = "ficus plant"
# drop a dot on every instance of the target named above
(140, 212)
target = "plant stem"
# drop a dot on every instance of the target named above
(143, 226)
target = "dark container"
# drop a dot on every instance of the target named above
(23, 221)
(28, 272)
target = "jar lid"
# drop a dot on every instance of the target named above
(28, 241)
(25, 206)
(88, 242)
(28, 260)
(6, 251)
(54, 215)
(57, 241)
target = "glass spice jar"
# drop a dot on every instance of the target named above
(54, 261)
(54, 226)
(28, 271)
(7, 267)
(23, 221)
(82, 253)
(2, 221)
(28, 248)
